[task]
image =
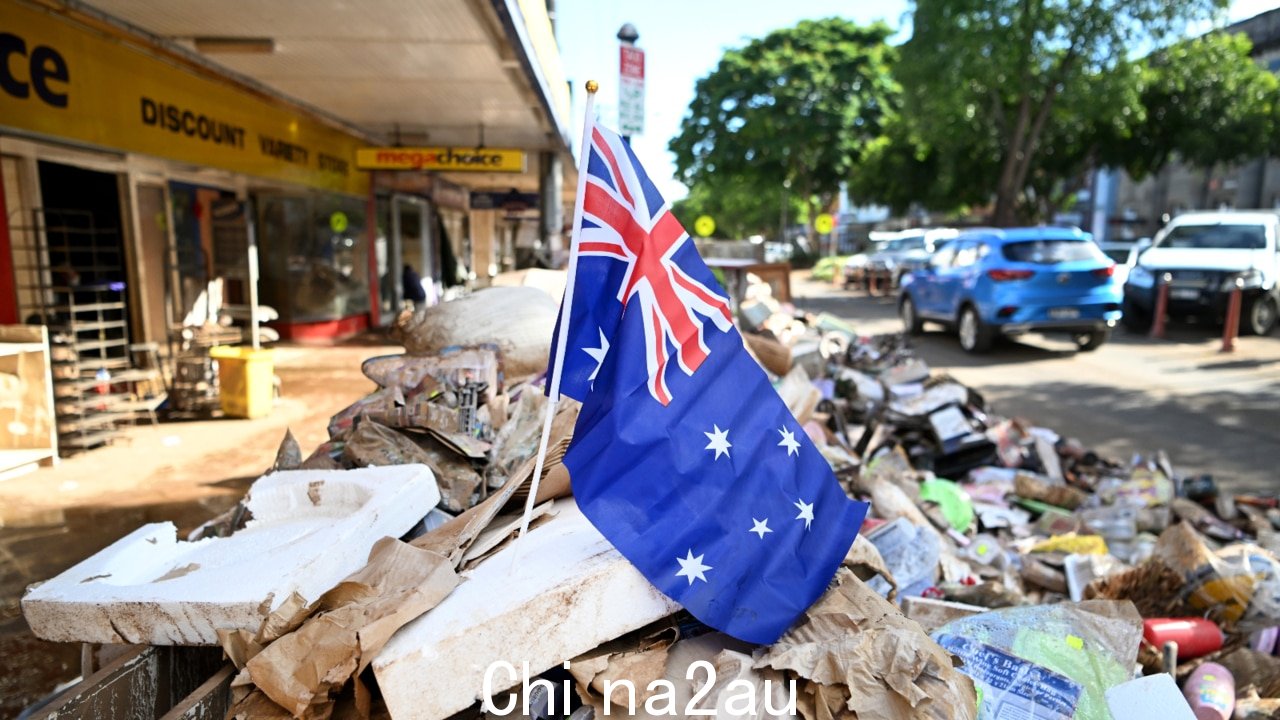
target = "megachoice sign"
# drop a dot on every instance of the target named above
(449, 159)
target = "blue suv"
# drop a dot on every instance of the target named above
(1008, 282)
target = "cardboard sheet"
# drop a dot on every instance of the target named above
(858, 655)
(303, 669)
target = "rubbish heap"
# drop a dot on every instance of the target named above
(1005, 570)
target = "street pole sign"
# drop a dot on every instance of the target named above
(824, 224)
(704, 225)
(630, 89)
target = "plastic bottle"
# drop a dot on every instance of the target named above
(1195, 636)
(104, 381)
(1211, 692)
(1264, 641)
(1117, 524)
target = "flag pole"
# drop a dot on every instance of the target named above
(566, 305)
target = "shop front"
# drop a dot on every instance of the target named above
(124, 147)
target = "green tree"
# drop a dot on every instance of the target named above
(902, 171)
(1206, 102)
(990, 77)
(796, 107)
(738, 209)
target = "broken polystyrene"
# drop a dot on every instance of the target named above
(309, 529)
(569, 592)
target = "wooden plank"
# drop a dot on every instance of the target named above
(210, 701)
(26, 390)
(11, 459)
(143, 683)
(22, 334)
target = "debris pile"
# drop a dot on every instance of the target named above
(1005, 570)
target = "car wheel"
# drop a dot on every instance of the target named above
(1089, 341)
(910, 320)
(1134, 319)
(1259, 316)
(975, 336)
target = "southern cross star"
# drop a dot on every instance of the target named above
(692, 568)
(760, 527)
(806, 513)
(597, 354)
(719, 441)
(789, 442)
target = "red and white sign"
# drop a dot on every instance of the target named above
(630, 90)
(631, 62)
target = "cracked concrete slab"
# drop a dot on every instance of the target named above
(309, 530)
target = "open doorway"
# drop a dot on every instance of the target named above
(84, 276)
(411, 249)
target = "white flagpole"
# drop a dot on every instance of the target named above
(562, 341)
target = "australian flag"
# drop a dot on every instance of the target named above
(684, 456)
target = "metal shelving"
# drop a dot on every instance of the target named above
(74, 283)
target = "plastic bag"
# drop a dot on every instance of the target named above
(1237, 587)
(1047, 661)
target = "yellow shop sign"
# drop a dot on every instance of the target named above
(441, 158)
(64, 80)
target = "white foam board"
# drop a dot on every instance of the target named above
(1153, 696)
(569, 592)
(309, 530)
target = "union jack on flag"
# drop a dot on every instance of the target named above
(625, 219)
(700, 476)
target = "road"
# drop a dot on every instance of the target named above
(1214, 413)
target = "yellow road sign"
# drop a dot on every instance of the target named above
(704, 226)
(824, 223)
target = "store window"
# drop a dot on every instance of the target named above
(314, 256)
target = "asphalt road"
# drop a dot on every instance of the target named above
(1212, 412)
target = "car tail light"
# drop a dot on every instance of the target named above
(1003, 275)
(1105, 272)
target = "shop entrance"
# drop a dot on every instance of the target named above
(83, 280)
(191, 260)
(413, 256)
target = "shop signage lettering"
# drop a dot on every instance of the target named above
(126, 99)
(329, 163)
(282, 150)
(441, 158)
(190, 123)
(44, 65)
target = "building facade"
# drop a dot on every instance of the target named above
(146, 146)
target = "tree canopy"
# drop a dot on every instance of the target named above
(1000, 77)
(1205, 101)
(1009, 104)
(738, 209)
(797, 107)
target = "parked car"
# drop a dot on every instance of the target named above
(1124, 255)
(1205, 253)
(991, 283)
(855, 266)
(910, 250)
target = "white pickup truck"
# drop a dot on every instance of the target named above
(1205, 254)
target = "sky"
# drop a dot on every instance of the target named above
(683, 41)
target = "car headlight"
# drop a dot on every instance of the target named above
(1252, 279)
(1141, 277)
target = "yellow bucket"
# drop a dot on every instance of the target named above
(245, 379)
